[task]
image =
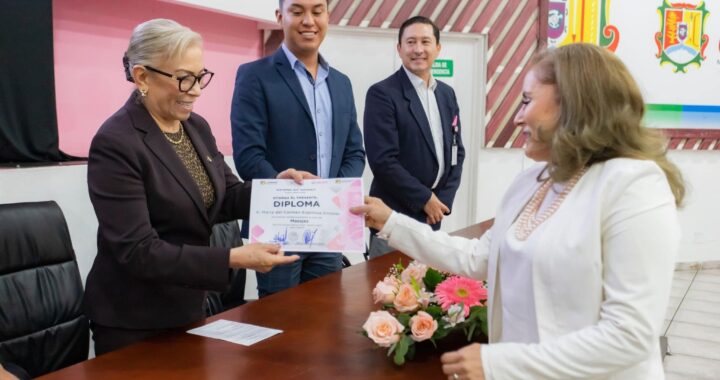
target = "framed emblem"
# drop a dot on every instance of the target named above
(681, 41)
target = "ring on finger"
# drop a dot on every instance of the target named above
(455, 376)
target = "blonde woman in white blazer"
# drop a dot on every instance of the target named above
(579, 260)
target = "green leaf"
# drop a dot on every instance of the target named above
(484, 327)
(435, 311)
(482, 313)
(484, 322)
(477, 317)
(404, 319)
(392, 349)
(401, 350)
(474, 312)
(441, 333)
(411, 350)
(471, 332)
(432, 279)
(399, 266)
(415, 285)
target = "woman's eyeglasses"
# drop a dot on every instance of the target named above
(186, 82)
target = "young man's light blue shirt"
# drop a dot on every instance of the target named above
(317, 95)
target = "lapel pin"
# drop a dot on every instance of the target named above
(209, 159)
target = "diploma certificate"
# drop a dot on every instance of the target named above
(312, 217)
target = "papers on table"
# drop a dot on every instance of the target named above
(234, 332)
(312, 217)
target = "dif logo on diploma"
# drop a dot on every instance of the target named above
(312, 217)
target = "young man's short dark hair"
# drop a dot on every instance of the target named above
(417, 20)
(280, 3)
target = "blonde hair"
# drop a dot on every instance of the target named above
(601, 112)
(156, 41)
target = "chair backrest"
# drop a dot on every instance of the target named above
(42, 327)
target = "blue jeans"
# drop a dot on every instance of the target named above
(311, 265)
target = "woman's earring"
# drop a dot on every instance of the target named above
(143, 92)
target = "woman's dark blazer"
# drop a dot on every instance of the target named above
(153, 263)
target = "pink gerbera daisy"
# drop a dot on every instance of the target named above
(460, 290)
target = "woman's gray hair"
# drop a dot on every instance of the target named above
(156, 41)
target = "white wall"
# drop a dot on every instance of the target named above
(699, 217)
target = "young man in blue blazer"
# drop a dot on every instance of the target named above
(291, 109)
(412, 133)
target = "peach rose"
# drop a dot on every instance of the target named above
(385, 290)
(423, 326)
(406, 299)
(383, 328)
(415, 270)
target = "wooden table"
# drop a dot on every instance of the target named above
(321, 322)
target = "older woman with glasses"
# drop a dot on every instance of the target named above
(158, 183)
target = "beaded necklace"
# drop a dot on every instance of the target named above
(529, 219)
(179, 140)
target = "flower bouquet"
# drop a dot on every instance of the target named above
(421, 303)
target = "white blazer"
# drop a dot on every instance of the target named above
(601, 275)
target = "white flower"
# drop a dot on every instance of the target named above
(455, 315)
(425, 297)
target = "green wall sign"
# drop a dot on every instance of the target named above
(443, 68)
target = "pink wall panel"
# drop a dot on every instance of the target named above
(90, 38)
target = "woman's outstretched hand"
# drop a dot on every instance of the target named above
(376, 212)
(259, 257)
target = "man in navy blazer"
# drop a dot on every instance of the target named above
(292, 109)
(412, 133)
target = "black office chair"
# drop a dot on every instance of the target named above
(42, 327)
(227, 235)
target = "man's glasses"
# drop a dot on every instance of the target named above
(186, 82)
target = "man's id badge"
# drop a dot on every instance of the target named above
(454, 152)
(453, 159)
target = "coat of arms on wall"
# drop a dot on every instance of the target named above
(681, 40)
(572, 21)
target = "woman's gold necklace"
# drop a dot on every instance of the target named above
(179, 140)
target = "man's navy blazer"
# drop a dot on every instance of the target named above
(272, 128)
(153, 263)
(400, 147)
